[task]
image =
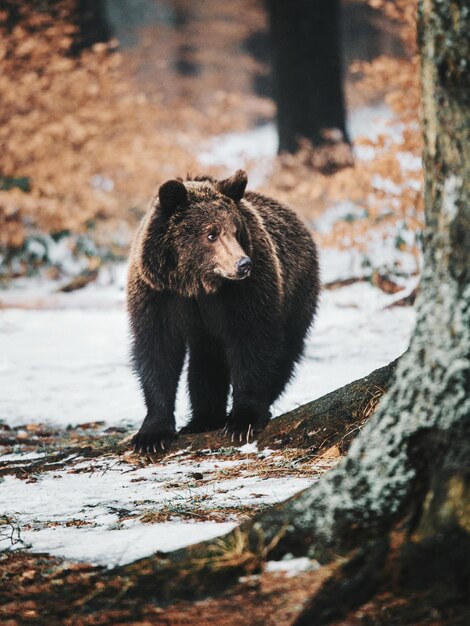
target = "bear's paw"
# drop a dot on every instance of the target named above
(245, 428)
(153, 440)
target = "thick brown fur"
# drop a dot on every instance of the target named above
(231, 277)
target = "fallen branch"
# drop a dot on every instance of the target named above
(381, 281)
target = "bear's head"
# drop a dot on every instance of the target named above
(194, 237)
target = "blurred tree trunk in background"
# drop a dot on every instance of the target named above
(90, 18)
(307, 71)
(185, 61)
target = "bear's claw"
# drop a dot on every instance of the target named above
(157, 442)
(245, 429)
(247, 433)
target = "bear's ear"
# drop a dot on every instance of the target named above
(234, 187)
(171, 195)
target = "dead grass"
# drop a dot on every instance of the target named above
(174, 511)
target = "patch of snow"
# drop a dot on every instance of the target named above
(67, 366)
(382, 254)
(341, 211)
(253, 490)
(22, 456)
(292, 567)
(340, 264)
(105, 500)
(409, 162)
(107, 547)
(102, 183)
(372, 121)
(450, 196)
(249, 448)
(107, 291)
(265, 452)
(386, 185)
(353, 334)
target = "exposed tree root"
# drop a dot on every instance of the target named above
(333, 419)
(418, 572)
(427, 555)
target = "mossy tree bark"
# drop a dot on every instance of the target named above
(411, 459)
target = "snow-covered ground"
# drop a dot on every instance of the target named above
(94, 510)
(64, 360)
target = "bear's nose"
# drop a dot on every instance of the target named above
(244, 266)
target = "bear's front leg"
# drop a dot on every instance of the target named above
(158, 354)
(159, 371)
(208, 383)
(254, 368)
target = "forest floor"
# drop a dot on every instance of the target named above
(273, 598)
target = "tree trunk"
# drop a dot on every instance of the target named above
(92, 25)
(307, 69)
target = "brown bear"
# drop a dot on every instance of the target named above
(232, 278)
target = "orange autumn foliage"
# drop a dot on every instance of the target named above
(91, 146)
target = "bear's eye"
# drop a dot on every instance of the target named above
(212, 236)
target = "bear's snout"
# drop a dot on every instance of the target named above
(228, 257)
(244, 266)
